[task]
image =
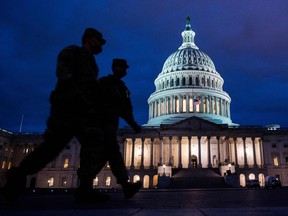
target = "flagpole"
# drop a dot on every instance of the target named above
(20, 129)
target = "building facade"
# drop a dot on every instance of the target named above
(189, 128)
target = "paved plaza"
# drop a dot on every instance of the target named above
(156, 202)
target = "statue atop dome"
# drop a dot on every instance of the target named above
(188, 25)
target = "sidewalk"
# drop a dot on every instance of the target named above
(164, 202)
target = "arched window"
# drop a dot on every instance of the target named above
(136, 178)
(242, 180)
(190, 80)
(108, 181)
(155, 181)
(251, 176)
(172, 83)
(183, 81)
(146, 181)
(261, 178)
(95, 182)
(197, 81)
(177, 81)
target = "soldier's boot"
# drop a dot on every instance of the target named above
(130, 189)
(86, 194)
(15, 185)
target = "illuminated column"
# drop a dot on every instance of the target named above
(124, 151)
(227, 150)
(161, 151)
(218, 149)
(142, 153)
(170, 151)
(199, 151)
(187, 104)
(201, 105)
(211, 105)
(209, 153)
(220, 107)
(245, 151)
(165, 106)
(228, 110)
(133, 153)
(180, 103)
(151, 154)
(173, 104)
(262, 161)
(180, 152)
(236, 156)
(189, 156)
(254, 153)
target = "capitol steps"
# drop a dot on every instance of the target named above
(197, 178)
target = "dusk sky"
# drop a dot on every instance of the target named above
(247, 40)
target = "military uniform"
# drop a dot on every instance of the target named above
(73, 113)
(115, 100)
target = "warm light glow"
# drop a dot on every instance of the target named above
(66, 163)
(108, 181)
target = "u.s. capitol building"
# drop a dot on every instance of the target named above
(189, 140)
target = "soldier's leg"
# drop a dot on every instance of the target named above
(116, 160)
(54, 142)
(92, 160)
(119, 170)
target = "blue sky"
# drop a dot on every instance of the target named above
(247, 41)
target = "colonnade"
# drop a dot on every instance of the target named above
(189, 103)
(192, 151)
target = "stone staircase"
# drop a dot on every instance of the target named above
(197, 178)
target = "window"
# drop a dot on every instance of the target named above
(285, 145)
(3, 164)
(275, 161)
(286, 159)
(66, 163)
(183, 81)
(190, 80)
(64, 181)
(197, 81)
(273, 145)
(9, 165)
(95, 182)
(108, 181)
(50, 182)
(177, 82)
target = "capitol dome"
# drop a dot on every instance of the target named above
(187, 86)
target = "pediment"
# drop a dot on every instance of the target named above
(194, 123)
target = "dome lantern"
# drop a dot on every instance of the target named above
(188, 36)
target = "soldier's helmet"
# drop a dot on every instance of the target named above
(91, 32)
(120, 62)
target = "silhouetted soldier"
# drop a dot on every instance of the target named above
(72, 113)
(116, 103)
